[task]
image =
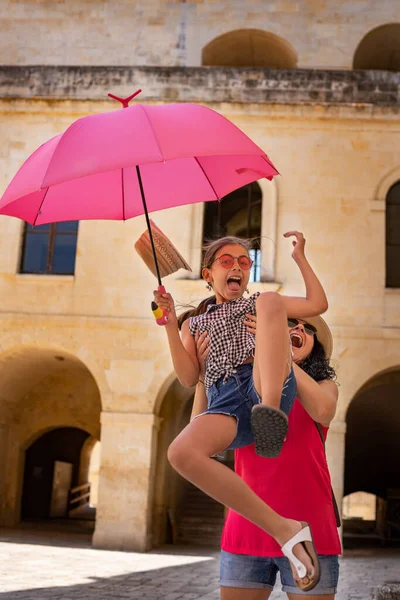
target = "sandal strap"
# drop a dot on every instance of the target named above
(304, 535)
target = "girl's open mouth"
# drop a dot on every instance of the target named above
(234, 283)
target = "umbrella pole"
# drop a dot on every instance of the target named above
(160, 315)
(146, 213)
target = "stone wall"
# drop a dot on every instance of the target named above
(202, 84)
(157, 32)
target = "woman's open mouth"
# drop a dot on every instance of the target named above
(296, 339)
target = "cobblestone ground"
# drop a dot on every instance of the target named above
(42, 566)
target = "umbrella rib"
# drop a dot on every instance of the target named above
(123, 194)
(40, 207)
(208, 179)
(152, 131)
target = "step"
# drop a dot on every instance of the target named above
(199, 521)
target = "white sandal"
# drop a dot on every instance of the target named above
(303, 537)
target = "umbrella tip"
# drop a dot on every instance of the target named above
(124, 101)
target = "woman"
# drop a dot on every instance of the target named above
(296, 484)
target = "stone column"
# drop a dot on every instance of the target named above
(128, 445)
(335, 448)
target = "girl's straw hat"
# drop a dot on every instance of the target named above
(323, 334)
(168, 257)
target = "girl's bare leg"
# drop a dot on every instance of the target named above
(190, 454)
(227, 593)
(272, 355)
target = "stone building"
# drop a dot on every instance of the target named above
(315, 84)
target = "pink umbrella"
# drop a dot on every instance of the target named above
(125, 163)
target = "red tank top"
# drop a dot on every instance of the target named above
(296, 485)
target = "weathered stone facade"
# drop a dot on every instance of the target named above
(334, 136)
(174, 33)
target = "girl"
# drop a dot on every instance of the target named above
(249, 383)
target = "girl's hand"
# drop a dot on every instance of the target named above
(203, 349)
(298, 244)
(166, 302)
(251, 323)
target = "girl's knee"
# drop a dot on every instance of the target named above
(270, 301)
(179, 454)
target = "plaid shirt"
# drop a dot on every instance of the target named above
(230, 342)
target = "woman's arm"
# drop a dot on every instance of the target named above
(315, 301)
(183, 350)
(318, 399)
(199, 401)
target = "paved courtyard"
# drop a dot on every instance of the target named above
(63, 566)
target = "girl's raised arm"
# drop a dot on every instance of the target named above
(315, 302)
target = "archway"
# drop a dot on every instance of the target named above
(181, 513)
(372, 451)
(43, 392)
(379, 49)
(249, 48)
(52, 467)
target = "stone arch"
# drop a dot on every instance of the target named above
(249, 48)
(181, 512)
(387, 181)
(372, 441)
(41, 389)
(173, 407)
(379, 49)
(372, 448)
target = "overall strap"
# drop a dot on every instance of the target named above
(335, 506)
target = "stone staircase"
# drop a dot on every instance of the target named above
(200, 519)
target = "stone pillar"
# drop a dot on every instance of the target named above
(335, 448)
(128, 446)
(11, 476)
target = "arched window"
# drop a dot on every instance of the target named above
(249, 48)
(237, 214)
(393, 237)
(379, 49)
(50, 249)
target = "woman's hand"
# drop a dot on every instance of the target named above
(298, 244)
(166, 302)
(203, 349)
(251, 323)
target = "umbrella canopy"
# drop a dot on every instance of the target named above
(104, 166)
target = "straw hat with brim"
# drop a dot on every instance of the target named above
(168, 258)
(323, 333)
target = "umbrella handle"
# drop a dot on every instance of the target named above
(160, 315)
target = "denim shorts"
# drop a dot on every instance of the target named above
(237, 396)
(259, 572)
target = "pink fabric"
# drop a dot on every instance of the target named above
(186, 153)
(296, 485)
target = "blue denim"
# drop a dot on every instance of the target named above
(259, 572)
(237, 396)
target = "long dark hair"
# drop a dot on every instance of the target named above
(316, 365)
(210, 249)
